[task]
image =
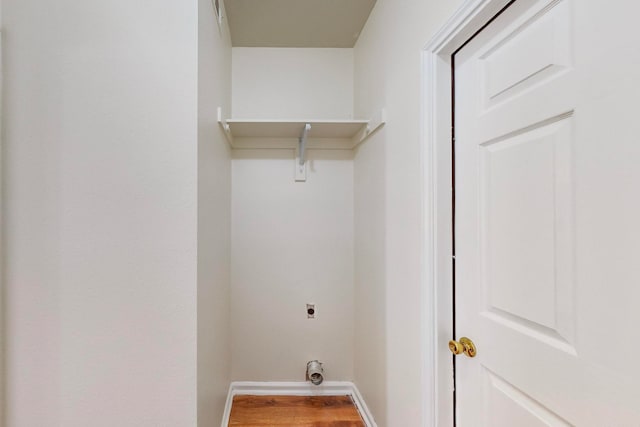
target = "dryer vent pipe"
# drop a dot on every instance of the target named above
(315, 373)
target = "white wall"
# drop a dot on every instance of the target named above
(387, 72)
(2, 249)
(289, 83)
(292, 244)
(370, 355)
(214, 217)
(100, 157)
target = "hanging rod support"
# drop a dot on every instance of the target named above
(302, 142)
(301, 167)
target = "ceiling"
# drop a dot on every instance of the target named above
(296, 23)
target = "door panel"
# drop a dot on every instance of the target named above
(547, 207)
(526, 230)
(508, 406)
(534, 51)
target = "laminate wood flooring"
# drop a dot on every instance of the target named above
(298, 411)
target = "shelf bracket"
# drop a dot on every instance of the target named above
(375, 122)
(301, 167)
(225, 127)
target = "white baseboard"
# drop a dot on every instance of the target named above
(327, 388)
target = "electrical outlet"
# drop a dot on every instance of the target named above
(311, 311)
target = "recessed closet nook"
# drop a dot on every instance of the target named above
(316, 107)
(294, 124)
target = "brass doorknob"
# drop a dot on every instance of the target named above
(465, 345)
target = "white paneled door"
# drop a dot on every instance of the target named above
(547, 216)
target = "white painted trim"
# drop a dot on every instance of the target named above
(437, 312)
(3, 339)
(365, 413)
(327, 388)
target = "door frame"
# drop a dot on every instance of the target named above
(436, 123)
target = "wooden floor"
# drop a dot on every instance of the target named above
(298, 411)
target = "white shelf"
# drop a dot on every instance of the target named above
(293, 128)
(324, 134)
